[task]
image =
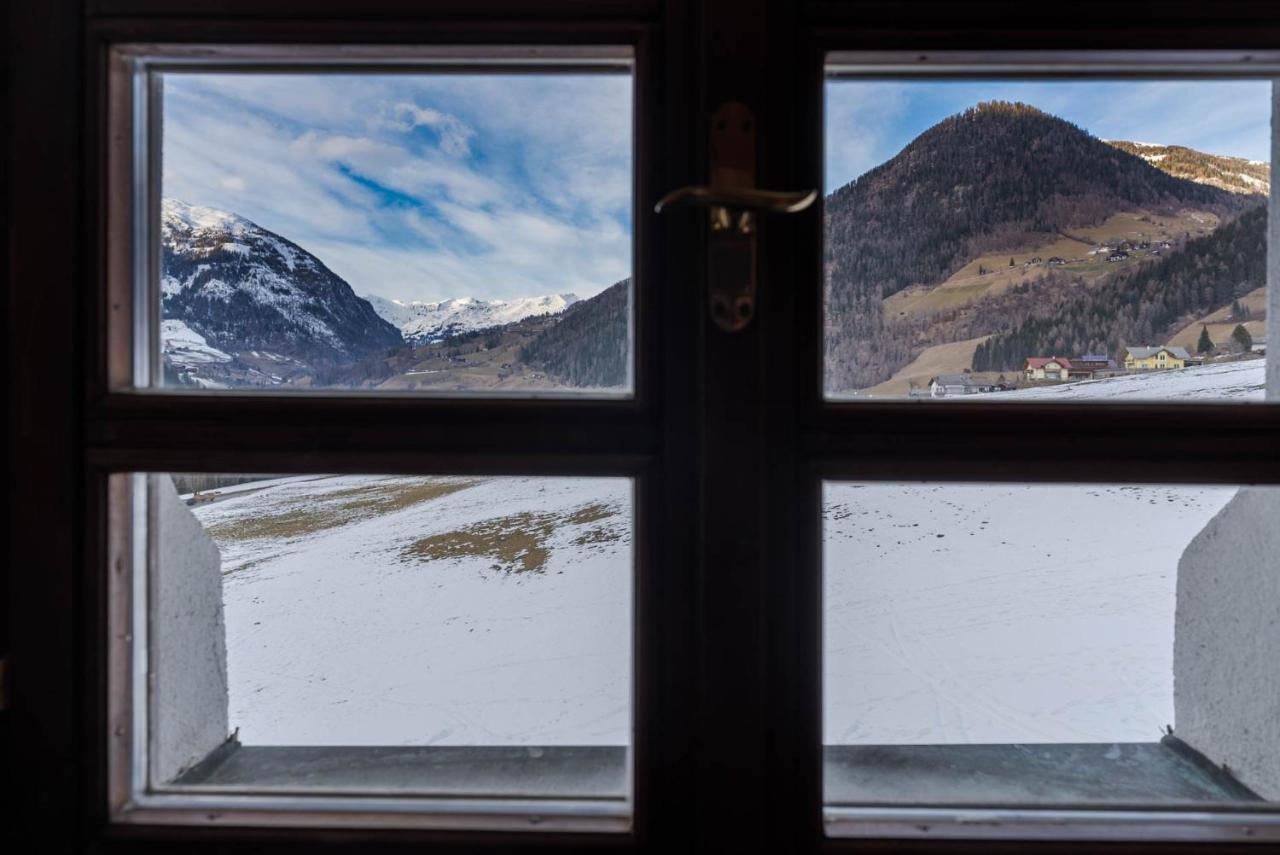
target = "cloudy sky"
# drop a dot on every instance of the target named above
(495, 186)
(414, 186)
(869, 122)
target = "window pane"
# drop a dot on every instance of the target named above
(410, 232)
(456, 636)
(1046, 240)
(1004, 644)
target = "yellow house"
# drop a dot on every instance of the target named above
(1155, 358)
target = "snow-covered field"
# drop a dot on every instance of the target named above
(396, 610)
(1003, 613)
(373, 610)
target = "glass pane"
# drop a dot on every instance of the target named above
(1046, 240)
(421, 635)
(410, 232)
(1005, 644)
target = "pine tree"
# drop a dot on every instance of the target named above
(1011, 262)
(1205, 344)
(1241, 335)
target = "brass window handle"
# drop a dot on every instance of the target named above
(733, 201)
(769, 201)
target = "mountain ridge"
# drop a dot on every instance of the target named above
(247, 291)
(423, 322)
(995, 178)
(1234, 174)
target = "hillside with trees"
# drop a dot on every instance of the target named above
(1142, 306)
(998, 176)
(591, 343)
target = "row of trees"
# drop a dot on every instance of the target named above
(1239, 336)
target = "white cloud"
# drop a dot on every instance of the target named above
(455, 135)
(521, 186)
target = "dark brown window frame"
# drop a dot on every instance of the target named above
(728, 680)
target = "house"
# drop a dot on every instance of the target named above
(1057, 259)
(1259, 344)
(1155, 358)
(1092, 365)
(1046, 368)
(950, 385)
(1118, 255)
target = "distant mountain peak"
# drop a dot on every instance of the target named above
(1006, 107)
(177, 215)
(422, 322)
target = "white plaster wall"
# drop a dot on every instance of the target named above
(188, 649)
(1226, 644)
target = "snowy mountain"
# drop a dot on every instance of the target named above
(243, 291)
(424, 323)
(1236, 174)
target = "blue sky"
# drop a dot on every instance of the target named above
(418, 186)
(868, 122)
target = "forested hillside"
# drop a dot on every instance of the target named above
(590, 346)
(997, 176)
(1141, 306)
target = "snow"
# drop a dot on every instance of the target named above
(953, 613)
(1243, 380)
(193, 230)
(427, 322)
(1003, 613)
(335, 637)
(184, 346)
(177, 215)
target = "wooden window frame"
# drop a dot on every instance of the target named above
(728, 642)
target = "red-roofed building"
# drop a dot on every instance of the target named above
(1046, 368)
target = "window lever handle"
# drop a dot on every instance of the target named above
(751, 199)
(733, 206)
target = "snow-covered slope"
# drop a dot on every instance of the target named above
(341, 632)
(999, 613)
(1244, 380)
(241, 288)
(183, 346)
(423, 323)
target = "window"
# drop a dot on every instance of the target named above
(1123, 255)
(410, 649)
(367, 229)
(1007, 648)
(750, 634)
(375, 638)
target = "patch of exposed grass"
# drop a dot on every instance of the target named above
(318, 513)
(593, 512)
(598, 535)
(516, 543)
